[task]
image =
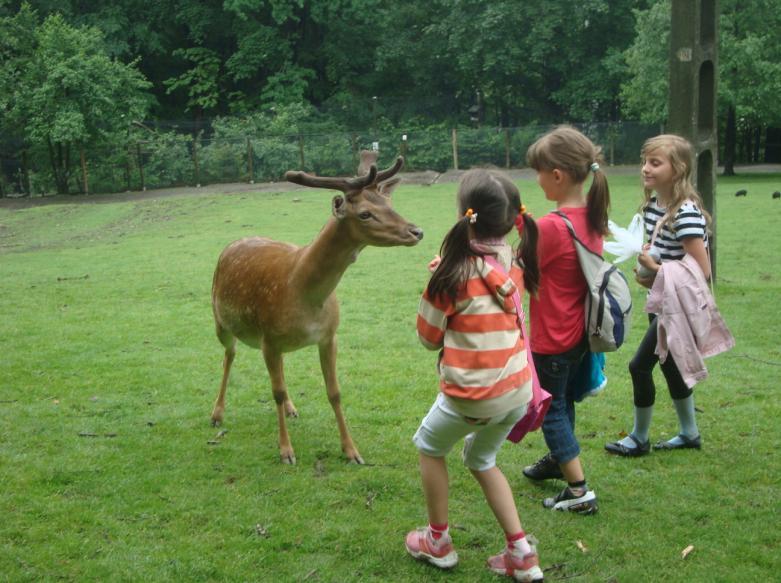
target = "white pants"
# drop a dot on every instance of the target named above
(442, 427)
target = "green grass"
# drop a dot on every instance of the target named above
(106, 330)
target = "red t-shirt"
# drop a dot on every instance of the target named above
(558, 313)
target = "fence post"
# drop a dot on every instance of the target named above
(301, 150)
(507, 148)
(249, 162)
(84, 170)
(455, 149)
(140, 166)
(128, 169)
(26, 174)
(195, 164)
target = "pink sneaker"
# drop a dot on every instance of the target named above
(440, 553)
(526, 568)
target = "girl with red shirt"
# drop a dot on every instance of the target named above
(564, 159)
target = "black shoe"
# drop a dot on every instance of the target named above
(569, 502)
(686, 443)
(545, 468)
(619, 448)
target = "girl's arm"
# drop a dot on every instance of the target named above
(431, 323)
(695, 247)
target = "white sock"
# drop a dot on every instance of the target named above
(641, 429)
(686, 416)
(520, 547)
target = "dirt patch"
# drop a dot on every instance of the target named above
(427, 177)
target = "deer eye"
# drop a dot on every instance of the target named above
(365, 215)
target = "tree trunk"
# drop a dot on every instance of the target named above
(59, 163)
(757, 142)
(730, 142)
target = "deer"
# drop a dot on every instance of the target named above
(279, 297)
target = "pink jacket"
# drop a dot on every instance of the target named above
(690, 326)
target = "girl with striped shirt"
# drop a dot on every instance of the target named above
(676, 225)
(468, 312)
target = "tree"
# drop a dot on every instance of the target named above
(749, 69)
(70, 93)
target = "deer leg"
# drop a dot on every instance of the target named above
(274, 363)
(228, 340)
(328, 366)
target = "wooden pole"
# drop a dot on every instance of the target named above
(140, 166)
(301, 150)
(195, 164)
(455, 149)
(249, 162)
(84, 178)
(128, 168)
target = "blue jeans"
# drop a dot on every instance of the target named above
(557, 373)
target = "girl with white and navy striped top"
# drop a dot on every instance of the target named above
(689, 221)
(676, 225)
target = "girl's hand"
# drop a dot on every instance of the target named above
(434, 263)
(646, 282)
(647, 261)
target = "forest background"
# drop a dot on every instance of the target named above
(121, 95)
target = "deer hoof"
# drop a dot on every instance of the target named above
(288, 458)
(290, 410)
(216, 422)
(356, 459)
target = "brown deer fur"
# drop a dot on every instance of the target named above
(280, 297)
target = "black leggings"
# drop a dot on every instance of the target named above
(641, 368)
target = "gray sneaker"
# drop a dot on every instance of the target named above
(545, 468)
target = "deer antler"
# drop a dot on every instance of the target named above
(344, 184)
(388, 172)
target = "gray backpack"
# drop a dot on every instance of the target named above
(608, 301)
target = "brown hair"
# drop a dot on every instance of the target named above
(497, 202)
(568, 150)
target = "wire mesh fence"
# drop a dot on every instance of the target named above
(170, 159)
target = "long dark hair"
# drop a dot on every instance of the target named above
(568, 150)
(497, 202)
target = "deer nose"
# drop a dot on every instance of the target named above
(417, 231)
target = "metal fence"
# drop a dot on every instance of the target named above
(171, 159)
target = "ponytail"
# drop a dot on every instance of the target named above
(527, 254)
(598, 202)
(452, 271)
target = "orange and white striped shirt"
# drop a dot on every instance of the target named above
(484, 355)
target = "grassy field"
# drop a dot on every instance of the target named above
(109, 367)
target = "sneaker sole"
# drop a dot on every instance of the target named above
(449, 561)
(533, 575)
(586, 504)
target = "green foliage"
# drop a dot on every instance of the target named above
(750, 60)
(112, 472)
(201, 82)
(66, 91)
(167, 160)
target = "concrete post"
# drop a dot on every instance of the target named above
(692, 94)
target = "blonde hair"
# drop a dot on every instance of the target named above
(680, 153)
(566, 149)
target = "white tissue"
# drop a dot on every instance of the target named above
(627, 242)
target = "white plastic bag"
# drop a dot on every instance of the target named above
(628, 242)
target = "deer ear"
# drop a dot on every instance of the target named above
(337, 206)
(387, 187)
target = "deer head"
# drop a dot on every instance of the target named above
(364, 208)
